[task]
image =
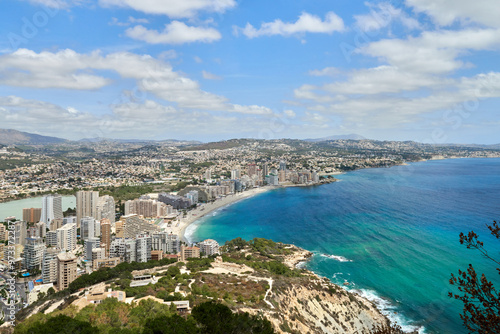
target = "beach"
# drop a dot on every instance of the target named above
(179, 227)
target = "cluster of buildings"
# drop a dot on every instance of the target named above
(58, 249)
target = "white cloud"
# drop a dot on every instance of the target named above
(130, 20)
(149, 119)
(71, 70)
(198, 59)
(327, 71)
(446, 12)
(210, 76)
(433, 52)
(173, 8)
(414, 80)
(169, 54)
(58, 4)
(175, 32)
(25, 68)
(290, 113)
(306, 23)
(382, 15)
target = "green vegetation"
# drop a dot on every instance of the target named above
(125, 193)
(147, 317)
(481, 312)
(105, 274)
(269, 255)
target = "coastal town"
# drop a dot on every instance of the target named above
(135, 206)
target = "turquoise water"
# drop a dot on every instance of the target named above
(392, 234)
(15, 208)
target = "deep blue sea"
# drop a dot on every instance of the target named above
(391, 233)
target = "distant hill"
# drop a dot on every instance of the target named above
(351, 136)
(14, 137)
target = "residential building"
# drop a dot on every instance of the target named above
(143, 248)
(32, 215)
(192, 196)
(209, 247)
(66, 270)
(189, 252)
(98, 254)
(42, 229)
(49, 265)
(51, 208)
(66, 237)
(106, 208)
(134, 225)
(86, 205)
(33, 253)
(87, 228)
(51, 238)
(119, 230)
(166, 242)
(106, 234)
(105, 262)
(177, 202)
(91, 244)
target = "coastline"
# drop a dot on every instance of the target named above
(205, 209)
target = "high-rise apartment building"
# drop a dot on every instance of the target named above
(86, 205)
(90, 244)
(49, 265)
(87, 228)
(106, 208)
(20, 232)
(66, 237)
(133, 226)
(143, 248)
(66, 270)
(42, 229)
(147, 208)
(33, 253)
(106, 234)
(51, 208)
(32, 215)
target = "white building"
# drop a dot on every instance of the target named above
(209, 247)
(106, 208)
(66, 237)
(33, 253)
(192, 196)
(51, 208)
(87, 228)
(90, 245)
(143, 248)
(49, 266)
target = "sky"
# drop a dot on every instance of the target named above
(422, 70)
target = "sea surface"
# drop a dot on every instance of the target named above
(15, 208)
(391, 233)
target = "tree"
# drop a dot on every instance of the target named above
(481, 312)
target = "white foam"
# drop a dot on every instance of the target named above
(389, 310)
(337, 257)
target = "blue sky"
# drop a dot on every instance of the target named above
(423, 70)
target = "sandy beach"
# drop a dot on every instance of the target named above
(179, 227)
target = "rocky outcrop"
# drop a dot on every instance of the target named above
(321, 307)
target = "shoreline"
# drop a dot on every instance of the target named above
(207, 208)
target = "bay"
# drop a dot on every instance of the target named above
(391, 233)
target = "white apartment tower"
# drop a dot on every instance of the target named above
(51, 208)
(86, 205)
